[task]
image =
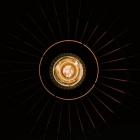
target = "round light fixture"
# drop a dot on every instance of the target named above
(68, 70)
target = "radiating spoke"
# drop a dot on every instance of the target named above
(109, 42)
(18, 62)
(9, 114)
(84, 31)
(91, 120)
(31, 110)
(106, 106)
(5, 46)
(16, 71)
(46, 19)
(109, 53)
(39, 28)
(103, 103)
(92, 34)
(96, 26)
(116, 79)
(39, 116)
(113, 88)
(108, 95)
(18, 38)
(80, 121)
(119, 70)
(18, 81)
(49, 119)
(78, 18)
(101, 116)
(57, 19)
(115, 50)
(119, 59)
(67, 17)
(69, 119)
(119, 102)
(104, 34)
(99, 39)
(22, 26)
(60, 119)
(20, 91)
(91, 104)
(88, 115)
(87, 23)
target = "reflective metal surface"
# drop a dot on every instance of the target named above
(67, 71)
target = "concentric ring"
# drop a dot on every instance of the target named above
(62, 50)
(67, 71)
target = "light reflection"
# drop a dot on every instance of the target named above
(68, 71)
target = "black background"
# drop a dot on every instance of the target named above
(128, 13)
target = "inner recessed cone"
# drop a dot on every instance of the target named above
(67, 71)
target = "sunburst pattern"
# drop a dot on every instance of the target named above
(101, 102)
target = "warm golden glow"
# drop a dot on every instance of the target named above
(54, 62)
(68, 71)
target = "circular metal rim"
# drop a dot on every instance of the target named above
(79, 82)
(96, 75)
